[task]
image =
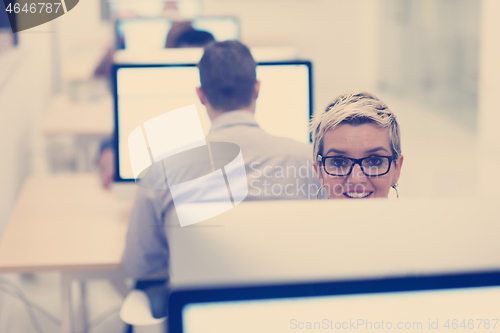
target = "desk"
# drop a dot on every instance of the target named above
(69, 224)
(88, 122)
(92, 118)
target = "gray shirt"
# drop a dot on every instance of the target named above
(277, 169)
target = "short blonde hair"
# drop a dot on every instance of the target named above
(355, 108)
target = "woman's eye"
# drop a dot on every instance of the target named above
(373, 161)
(338, 162)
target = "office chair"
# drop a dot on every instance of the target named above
(136, 311)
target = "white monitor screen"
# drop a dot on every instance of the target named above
(449, 310)
(148, 34)
(144, 92)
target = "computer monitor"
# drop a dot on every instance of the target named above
(439, 303)
(142, 92)
(150, 33)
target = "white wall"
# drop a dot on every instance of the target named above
(23, 98)
(339, 36)
(488, 92)
(81, 31)
(489, 74)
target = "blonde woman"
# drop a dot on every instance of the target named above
(357, 148)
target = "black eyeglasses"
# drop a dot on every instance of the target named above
(371, 166)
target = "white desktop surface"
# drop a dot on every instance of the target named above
(64, 223)
(67, 117)
(68, 222)
(267, 242)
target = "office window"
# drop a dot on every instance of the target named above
(429, 54)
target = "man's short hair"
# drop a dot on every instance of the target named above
(227, 75)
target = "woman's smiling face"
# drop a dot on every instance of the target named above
(358, 142)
